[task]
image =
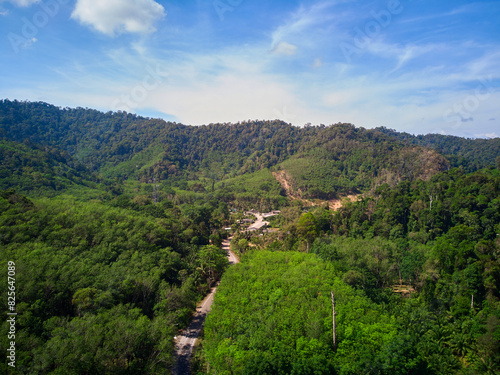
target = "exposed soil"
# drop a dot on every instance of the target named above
(286, 181)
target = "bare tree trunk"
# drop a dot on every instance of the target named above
(333, 315)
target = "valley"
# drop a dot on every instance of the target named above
(122, 228)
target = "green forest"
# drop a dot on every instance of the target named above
(103, 289)
(115, 223)
(419, 263)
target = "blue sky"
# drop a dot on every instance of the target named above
(418, 66)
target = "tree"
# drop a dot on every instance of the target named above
(307, 228)
(211, 263)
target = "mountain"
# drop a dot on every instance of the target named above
(112, 226)
(322, 162)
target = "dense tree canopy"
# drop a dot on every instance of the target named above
(322, 161)
(101, 289)
(115, 224)
(428, 253)
(273, 315)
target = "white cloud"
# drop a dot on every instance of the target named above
(229, 98)
(242, 82)
(487, 135)
(228, 86)
(284, 48)
(308, 28)
(113, 17)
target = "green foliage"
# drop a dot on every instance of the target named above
(38, 172)
(440, 238)
(118, 340)
(212, 261)
(273, 314)
(368, 263)
(239, 245)
(307, 228)
(258, 190)
(107, 275)
(123, 145)
(433, 242)
(102, 289)
(346, 160)
(323, 162)
(472, 154)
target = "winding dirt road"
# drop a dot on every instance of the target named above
(226, 245)
(184, 343)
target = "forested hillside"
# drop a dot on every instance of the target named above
(426, 253)
(322, 162)
(114, 223)
(40, 171)
(471, 154)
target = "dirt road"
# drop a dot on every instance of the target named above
(185, 342)
(226, 245)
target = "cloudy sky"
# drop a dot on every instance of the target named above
(419, 66)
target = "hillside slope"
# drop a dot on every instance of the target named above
(323, 162)
(473, 154)
(38, 171)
